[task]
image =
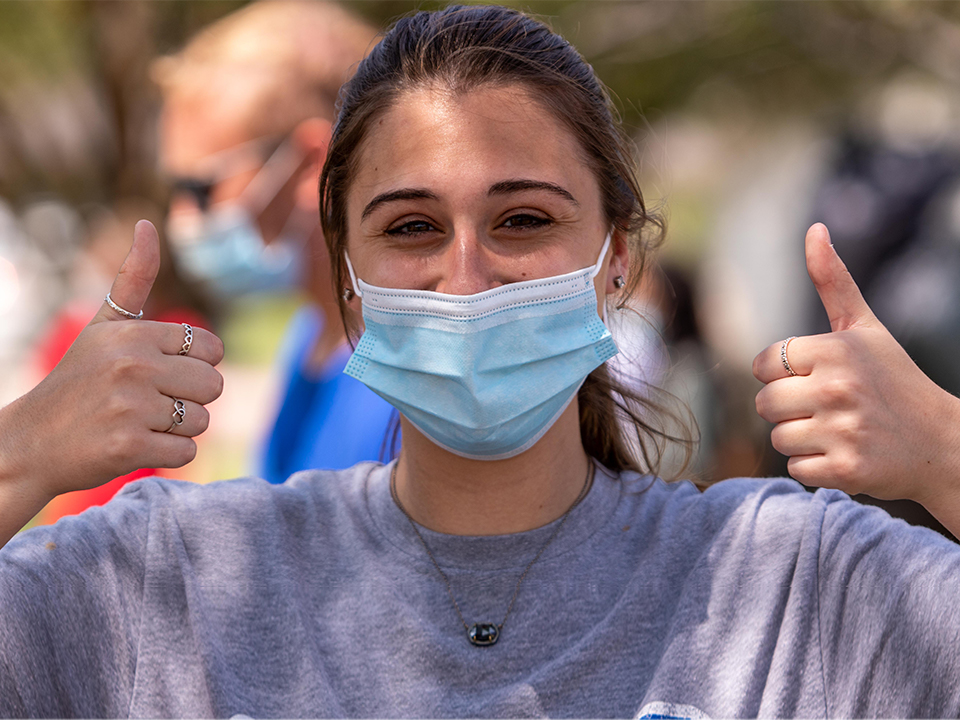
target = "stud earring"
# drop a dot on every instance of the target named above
(347, 294)
(619, 282)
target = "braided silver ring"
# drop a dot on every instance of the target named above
(783, 356)
(125, 313)
(187, 339)
(179, 412)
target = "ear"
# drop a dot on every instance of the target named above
(619, 261)
(312, 137)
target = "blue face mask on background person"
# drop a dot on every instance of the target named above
(224, 250)
(486, 375)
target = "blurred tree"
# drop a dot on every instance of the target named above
(77, 109)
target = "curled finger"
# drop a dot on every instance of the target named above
(189, 379)
(184, 340)
(783, 359)
(835, 469)
(180, 417)
(168, 450)
(786, 399)
(798, 437)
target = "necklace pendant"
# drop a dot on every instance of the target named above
(483, 634)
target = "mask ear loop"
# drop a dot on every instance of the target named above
(603, 253)
(596, 271)
(353, 279)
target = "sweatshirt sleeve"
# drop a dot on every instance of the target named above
(70, 610)
(889, 614)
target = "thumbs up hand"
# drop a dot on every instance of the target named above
(859, 415)
(108, 407)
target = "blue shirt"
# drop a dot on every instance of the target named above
(326, 419)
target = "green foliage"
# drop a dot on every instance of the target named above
(43, 41)
(757, 57)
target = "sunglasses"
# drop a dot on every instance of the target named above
(223, 165)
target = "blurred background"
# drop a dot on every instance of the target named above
(752, 120)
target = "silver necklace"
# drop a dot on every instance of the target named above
(487, 633)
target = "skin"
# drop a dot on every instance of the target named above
(437, 204)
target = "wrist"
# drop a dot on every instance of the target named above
(22, 487)
(938, 478)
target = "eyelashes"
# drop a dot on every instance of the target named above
(420, 227)
(525, 220)
(412, 228)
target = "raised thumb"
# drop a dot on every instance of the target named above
(837, 289)
(137, 273)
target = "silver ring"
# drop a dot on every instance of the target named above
(179, 412)
(783, 356)
(187, 339)
(125, 313)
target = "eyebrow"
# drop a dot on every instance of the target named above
(504, 187)
(511, 186)
(394, 195)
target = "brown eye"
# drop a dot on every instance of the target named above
(525, 221)
(414, 227)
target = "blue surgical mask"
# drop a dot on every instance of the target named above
(486, 375)
(224, 250)
(228, 256)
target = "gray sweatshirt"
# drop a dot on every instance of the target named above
(315, 598)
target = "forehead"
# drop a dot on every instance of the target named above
(196, 124)
(432, 137)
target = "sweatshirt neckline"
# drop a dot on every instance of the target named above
(490, 552)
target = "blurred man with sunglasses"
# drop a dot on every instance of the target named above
(248, 106)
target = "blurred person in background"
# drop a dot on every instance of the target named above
(247, 111)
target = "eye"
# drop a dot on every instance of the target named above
(524, 220)
(413, 227)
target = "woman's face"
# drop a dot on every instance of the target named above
(463, 193)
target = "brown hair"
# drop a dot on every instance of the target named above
(462, 48)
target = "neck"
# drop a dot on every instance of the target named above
(451, 494)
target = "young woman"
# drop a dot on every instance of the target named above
(516, 560)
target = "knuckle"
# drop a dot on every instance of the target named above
(203, 420)
(122, 407)
(762, 403)
(843, 352)
(849, 428)
(218, 349)
(778, 439)
(801, 474)
(839, 392)
(120, 448)
(130, 334)
(128, 367)
(846, 472)
(210, 387)
(187, 452)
